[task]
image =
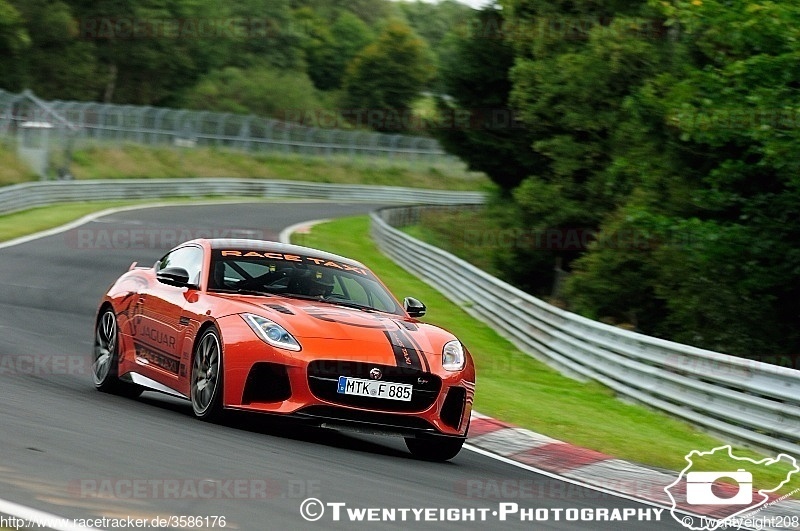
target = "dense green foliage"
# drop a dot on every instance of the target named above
(666, 130)
(481, 126)
(269, 57)
(387, 76)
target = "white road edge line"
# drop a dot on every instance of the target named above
(107, 212)
(41, 519)
(286, 234)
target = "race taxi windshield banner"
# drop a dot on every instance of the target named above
(288, 259)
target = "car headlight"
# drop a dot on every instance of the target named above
(453, 358)
(271, 332)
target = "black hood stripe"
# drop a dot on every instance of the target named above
(415, 345)
(405, 353)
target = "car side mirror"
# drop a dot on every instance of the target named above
(174, 276)
(413, 307)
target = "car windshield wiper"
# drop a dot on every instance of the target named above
(336, 302)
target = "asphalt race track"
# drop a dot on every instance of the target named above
(74, 452)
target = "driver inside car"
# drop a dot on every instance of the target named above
(313, 284)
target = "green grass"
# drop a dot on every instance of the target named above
(473, 235)
(164, 162)
(516, 388)
(13, 170)
(101, 161)
(38, 219)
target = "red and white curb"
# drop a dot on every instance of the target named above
(601, 471)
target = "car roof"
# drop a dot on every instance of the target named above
(243, 244)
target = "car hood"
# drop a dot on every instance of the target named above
(317, 320)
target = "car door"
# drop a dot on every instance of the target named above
(165, 319)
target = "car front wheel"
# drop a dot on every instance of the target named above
(206, 384)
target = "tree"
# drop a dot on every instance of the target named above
(329, 47)
(14, 40)
(386, 76)
(573, 71)
(484, 132)
(58, 64)
(261, 91)
(269, 36)
(142, 65)
(350, 35)
(713, 137)
(433, 21)
(372, 12)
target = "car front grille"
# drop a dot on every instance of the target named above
(323, 378)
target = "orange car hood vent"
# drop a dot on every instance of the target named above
(279, 308)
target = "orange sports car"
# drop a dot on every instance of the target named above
(281, 329)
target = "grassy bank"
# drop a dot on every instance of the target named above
(43, 218)
(12, 169)
(515, 387)
(135, 161)
(39, 219)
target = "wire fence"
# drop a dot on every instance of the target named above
(91, 122)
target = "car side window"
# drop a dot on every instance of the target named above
(189, 258)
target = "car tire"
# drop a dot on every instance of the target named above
(439, 449)
(207, 377)
(105, 358)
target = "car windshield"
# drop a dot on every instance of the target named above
(299, 276)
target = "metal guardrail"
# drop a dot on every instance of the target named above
(743, 399)
(120, 124)
(41, 193)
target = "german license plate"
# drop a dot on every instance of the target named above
(388, 390)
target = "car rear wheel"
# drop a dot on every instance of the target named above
(105, 358)
(439, 449)
(206, 385)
